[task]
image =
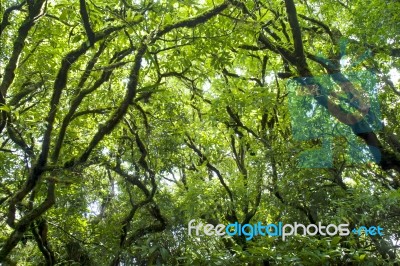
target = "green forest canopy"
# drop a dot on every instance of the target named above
(121, 121)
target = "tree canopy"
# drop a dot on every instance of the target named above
(121, 121)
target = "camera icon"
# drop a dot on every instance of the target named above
(337, 105)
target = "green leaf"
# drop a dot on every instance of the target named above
(6, 108)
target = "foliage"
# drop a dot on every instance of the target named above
(121, 121)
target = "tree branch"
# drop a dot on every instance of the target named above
(86, 24)
(116, 117)
(5, 21)
(296, 33)
(23, 225)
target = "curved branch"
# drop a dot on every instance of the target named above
(203, 158)
(296, 33)
(192, 22)
(319, 23)
(23, 225)
(117, 116)
(5, 21)
(86, 24)
(79, 98)
(18, 46)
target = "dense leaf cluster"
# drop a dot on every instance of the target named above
(121, 121)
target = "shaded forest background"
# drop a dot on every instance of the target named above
(123, 120)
